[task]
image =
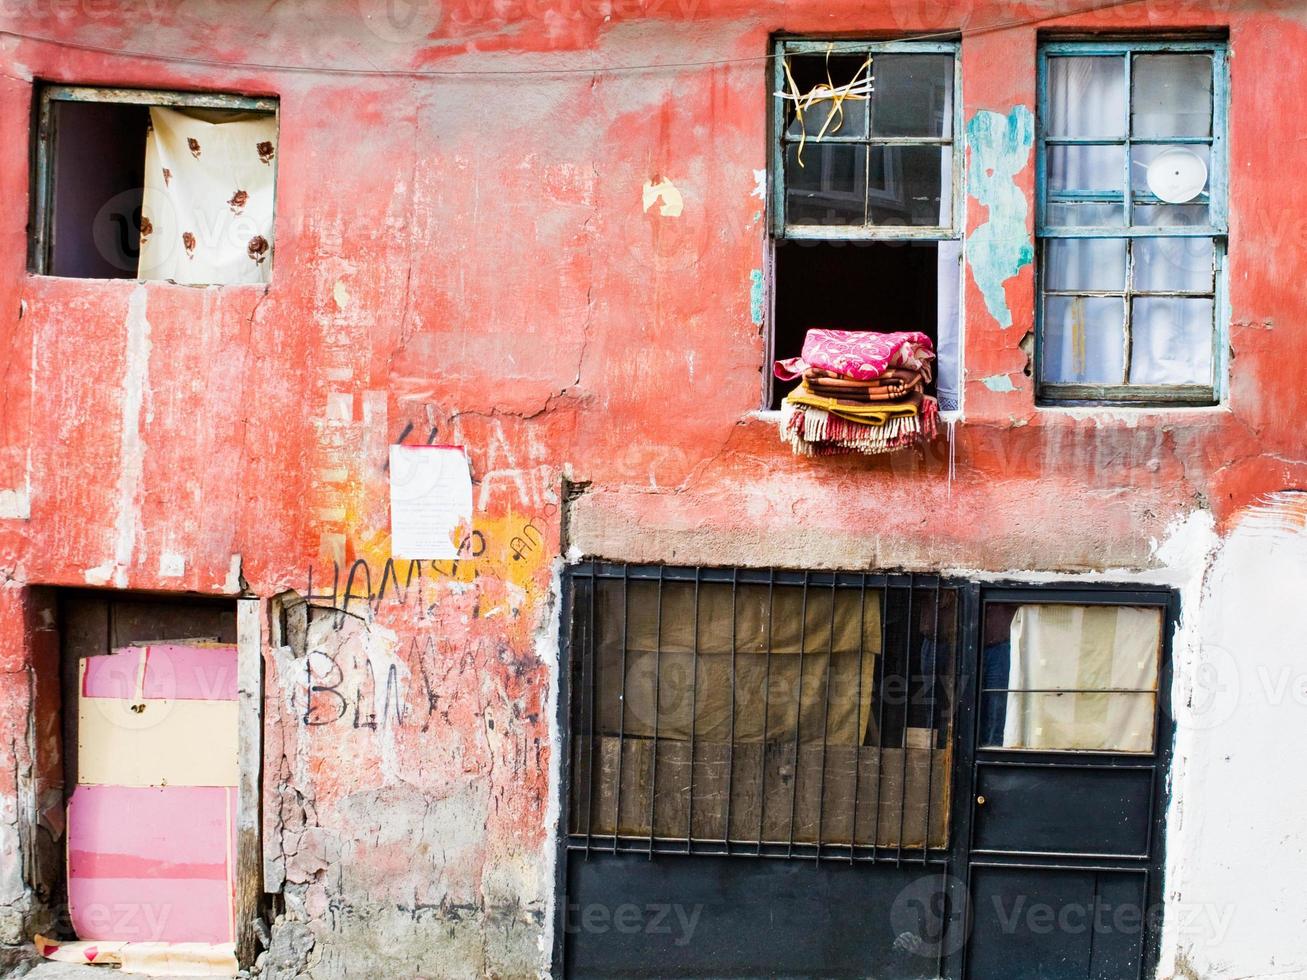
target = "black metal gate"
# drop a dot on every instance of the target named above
(778, 773)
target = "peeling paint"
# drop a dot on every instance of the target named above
(131, 463)
(999, 148)
(666, 192)
(757, 296)
(998, 382)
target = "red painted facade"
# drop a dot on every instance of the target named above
(464, 256)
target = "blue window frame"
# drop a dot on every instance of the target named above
(1132, 222)
(880, 163)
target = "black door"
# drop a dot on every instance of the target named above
(759, 774)
(1072, 747)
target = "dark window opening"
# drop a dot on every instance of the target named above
(880, 286)
(153, 185)
(98, 176)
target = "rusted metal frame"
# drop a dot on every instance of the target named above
(161, 97)
(766, 705)
(825, 725)
(930, 726)
(658, 690)
(1138, 395)
(879, 693)
(798, 712)
(694, 705)
(730, 746)
(621, 706)
(907, 690)
(859, 734)
(591, 693)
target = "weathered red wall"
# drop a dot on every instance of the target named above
(467, 254)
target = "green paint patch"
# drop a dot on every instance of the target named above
(1000, 149)
(756, 296)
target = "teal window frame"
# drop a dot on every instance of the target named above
(780, 228)
(1217, 229)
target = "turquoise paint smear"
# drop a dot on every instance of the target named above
(999, 383)
(996, 250)
(756, 296)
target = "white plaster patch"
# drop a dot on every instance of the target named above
(340, 295)
(233, 580)
(99, 575)
(15, 504)
(131, 461)
(759, 185)
(1236, 856)
(172, 565)
(665, 191)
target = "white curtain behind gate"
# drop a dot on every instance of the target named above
(1089, 653)
(207, 210)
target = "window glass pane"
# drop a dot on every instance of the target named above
(1171, 340)
(913, 95)
(1085, 722)
(816, 76)
(907, 186)
(1171, 215)
(1086, 215)
(1175, 174)
(1083, 339)
(1171, 95)
(1086, 97)
(1084, 263)
(828, 188)
(1086, 168)
(1174, 264)
(1067, 676)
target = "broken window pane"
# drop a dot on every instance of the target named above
(1076, 677)
(1172, 340)
(1171, 95)
(1083, 340)
(814, 75)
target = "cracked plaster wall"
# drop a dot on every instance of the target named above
(480, 270)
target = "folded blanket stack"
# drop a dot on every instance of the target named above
(860, 392)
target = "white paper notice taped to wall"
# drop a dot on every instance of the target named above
(430, 501)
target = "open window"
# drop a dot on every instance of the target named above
(175, 186)
(1132, 222)
(864, 213)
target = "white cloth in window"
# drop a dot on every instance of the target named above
(207, 210)
(1083, 648)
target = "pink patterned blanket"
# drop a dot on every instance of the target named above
(858, 354)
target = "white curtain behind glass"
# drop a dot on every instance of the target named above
(1082, 340)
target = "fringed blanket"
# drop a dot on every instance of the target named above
(815, 431)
